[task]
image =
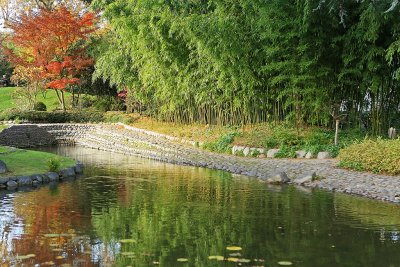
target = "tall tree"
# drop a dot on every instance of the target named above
(54, 41)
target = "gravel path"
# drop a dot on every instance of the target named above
(142, 143)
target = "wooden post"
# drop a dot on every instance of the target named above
(337, 132)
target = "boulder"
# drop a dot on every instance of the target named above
(37, 177)
(279, 178)
(261, 150)
(3, 167)
(69, 172)
(236, 149)
(12, 184)
(24, 181)
(272, 153)
(4, 180)
(79, 168)
(52, 176)
(300, 154)
(309, 155)
(246, 151)
(35, 183)
(306, 179)
(323, 155)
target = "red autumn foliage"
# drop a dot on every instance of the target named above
(53, 40)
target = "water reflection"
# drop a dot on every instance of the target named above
(135, 212)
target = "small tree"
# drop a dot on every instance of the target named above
(31, 80)
(54, 41)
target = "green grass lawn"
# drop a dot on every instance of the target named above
(26, 162)
(49, 99)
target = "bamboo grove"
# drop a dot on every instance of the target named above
(248, 61)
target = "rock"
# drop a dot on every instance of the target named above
(12, 184)
(308, 178)
(236, 149)
(272, 152)
(246, 151)
(309, 155)
(35, 183)
(4, 180)
(37, 177)
(261, 156)
(300, 154)
(52, 176)
(24, 181)
(261, 150)
(323, 155)
(69, 172)
(79, 168)
(3, 167)
(279, 178)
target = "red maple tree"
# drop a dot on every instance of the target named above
(55, 41)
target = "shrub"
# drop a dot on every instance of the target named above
(222, 144)
(40, 106)
(52, 117)
(286, 152)
(379, 156)
(54, 164)
(282, 135)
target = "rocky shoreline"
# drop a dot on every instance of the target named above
(312, 173)
(37, 180)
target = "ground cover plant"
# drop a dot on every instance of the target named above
(379, 156)
(26, 162)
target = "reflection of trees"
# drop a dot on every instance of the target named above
(195, 213)
(173, 212)
(361, 212)
(50, 224)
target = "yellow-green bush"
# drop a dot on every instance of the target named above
(379, 156)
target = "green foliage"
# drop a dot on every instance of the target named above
(218, 62)
(40, 106)
(255, 153)
(379, 156)
(52, 117)
(54, 164)
(286, 152)
(114, 117)
(107, 103)
(282, 135)
(222, 144)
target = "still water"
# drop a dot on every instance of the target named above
(128, 211)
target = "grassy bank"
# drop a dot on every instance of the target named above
(263, 135)
(26, 162)
(49, 99)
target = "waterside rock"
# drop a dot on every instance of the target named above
(3, 167)
(300, 154)
(323, 155)
(279, 178)
(306, 179)
(272, 153)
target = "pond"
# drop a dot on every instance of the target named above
(129, 211)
